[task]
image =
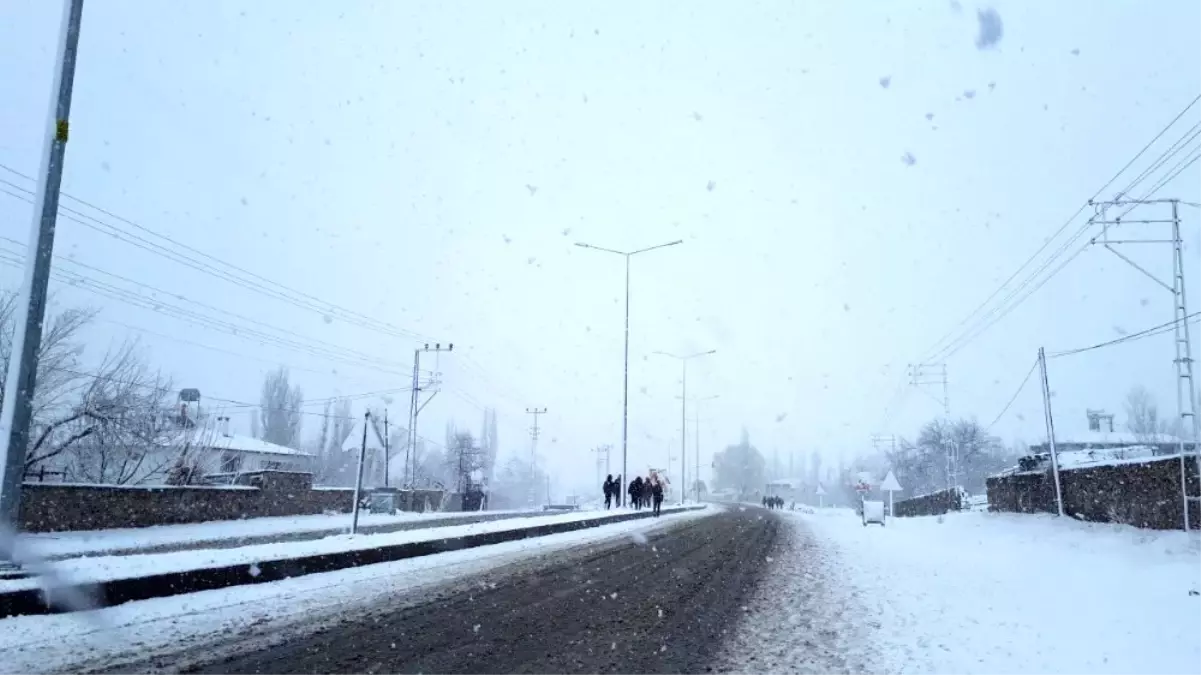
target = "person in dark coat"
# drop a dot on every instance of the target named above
(608, 487)
(657, 495)
(635, 492)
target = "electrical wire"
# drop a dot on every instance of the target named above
(943, 348)
(1145, 333)
(1013, 398)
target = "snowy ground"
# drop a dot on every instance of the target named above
(61, 544)
(270, 613)
(977, 593)
(100, 568)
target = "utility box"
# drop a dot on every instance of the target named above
(385, 500)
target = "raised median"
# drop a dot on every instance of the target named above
(114, 591)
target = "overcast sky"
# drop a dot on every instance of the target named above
(849, 179)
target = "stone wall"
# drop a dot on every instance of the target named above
(1140, 493)
(933, 504)
(57, 507)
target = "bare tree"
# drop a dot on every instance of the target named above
(1142, 416)
(57, 421)
(127, 430)
(279, 409)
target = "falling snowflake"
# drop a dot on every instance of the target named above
(969, 94)
(613, 595)
(532, 189)
(254, 570)
(885, 81)
(908, 159)
(990, 28)
(711, 186)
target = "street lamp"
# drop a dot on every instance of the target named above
(696, 412)
(683, 409)
(625, 387)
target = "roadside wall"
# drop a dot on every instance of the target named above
(57, 507)
(933, 504)
(1140, 493)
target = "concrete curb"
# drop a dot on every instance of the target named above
(119, 591)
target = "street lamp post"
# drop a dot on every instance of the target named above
(696, 412)
(625, 387)
(683, 413)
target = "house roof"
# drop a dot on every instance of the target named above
(240, 443)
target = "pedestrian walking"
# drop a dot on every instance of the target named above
(609, 491)
(657, 494)
(635, 492)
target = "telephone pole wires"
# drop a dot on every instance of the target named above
(534, 432)
(416, 405)
(921, 377)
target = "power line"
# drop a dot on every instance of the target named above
(321, 344)
(165, 308)
(267, 286)
(1145, 333)
(1013, 398)
(239, 275)
(935, 349)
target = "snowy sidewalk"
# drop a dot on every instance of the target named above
(231, 533)
(988, 593)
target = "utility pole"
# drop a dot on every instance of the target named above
(416, 406)
(534, 451)
(1186, 390)
(358, 481)
(928, 375)
(387, 449)
(30, 310)
(1042, 362)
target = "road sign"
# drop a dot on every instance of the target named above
(890, 483)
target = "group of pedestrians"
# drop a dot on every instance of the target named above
(644, 492)
(773, 502)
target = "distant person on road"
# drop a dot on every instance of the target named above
(608, 488)
(657, 494)
(615, 488)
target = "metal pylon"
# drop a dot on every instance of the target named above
(1186, 390)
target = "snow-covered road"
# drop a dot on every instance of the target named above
(975, 593)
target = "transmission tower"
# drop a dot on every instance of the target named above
(1186, 391)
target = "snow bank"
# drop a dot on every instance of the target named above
(987, 593)
(60, 544)
(268, 613)
(103, 568)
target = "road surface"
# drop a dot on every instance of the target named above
(661, 603)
